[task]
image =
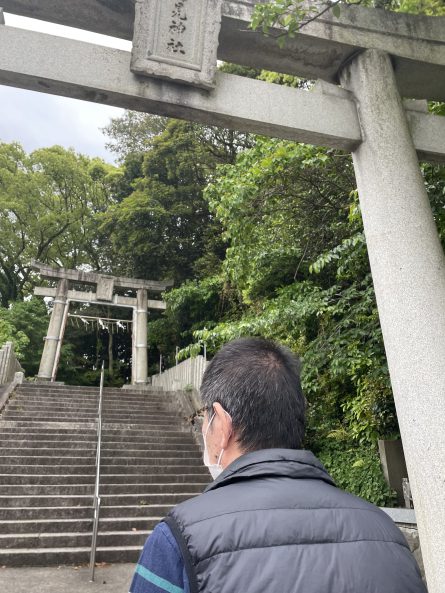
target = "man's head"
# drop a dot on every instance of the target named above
(257, 382)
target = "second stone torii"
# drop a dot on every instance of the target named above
(105, 294)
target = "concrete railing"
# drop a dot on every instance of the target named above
(186, 375)
(9, 365)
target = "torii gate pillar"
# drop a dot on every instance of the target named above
(140, 368)
(408, 269)
(55, 333)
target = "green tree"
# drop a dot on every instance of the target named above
(9, 333)
(162, 213)
(29, 319)
(280, 205)
(133, 132)
(48, 206)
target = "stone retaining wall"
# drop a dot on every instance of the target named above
(9, 365)
(405, 519)
(186, 375)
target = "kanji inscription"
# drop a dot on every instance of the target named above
(178, 28)
(177, 40)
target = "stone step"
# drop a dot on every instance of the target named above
(47, 451)
(113, 426)
(91, 396)
(140, 436)
(82, 512)
(76, 415)
(55, 490)
(33, 389)
(60, 385)
(50, 387)
(72, 540)
(18, 429)
(50, 460)
(143, 500)
(159, 422)
(65, 447)
(94, 394)
(108, 434)
(184, 445)
(90, 440)
(32, 425)
(107, 479)
(67, 461)
(47, 403)
(50, 479)
(151, 469)
(78, 525)
(149, 421)
(151, 453)
(68, 556)
(86, 500)
(203, 477)
(27, 405)
(144, 428)
(91, 405)
(21, 445)
(33, 468)
(35, 438)
(32, 398)
(122, 454)
(153, 461)
(105, 469)
(31, 419)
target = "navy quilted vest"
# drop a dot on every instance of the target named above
(274, 522)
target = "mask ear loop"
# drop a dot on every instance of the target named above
(220, 457)
(231, 432)
(231, 423)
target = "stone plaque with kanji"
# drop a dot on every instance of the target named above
(177, 40)
(105, 287)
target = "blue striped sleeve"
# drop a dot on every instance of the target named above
(160, 568)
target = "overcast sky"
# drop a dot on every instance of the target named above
(37, 120)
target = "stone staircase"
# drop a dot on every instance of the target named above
(150, 462)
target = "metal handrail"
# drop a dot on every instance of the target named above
(96, 488)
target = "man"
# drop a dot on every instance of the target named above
(273, 520)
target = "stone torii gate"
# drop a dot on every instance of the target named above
(366, 61)
(103, 295)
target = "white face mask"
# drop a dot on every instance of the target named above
(215, 469)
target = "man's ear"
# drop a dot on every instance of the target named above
(224, 422)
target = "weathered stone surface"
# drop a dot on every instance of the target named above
(48, 364)
(416, 43)
(393, 464)
(412, 537)
(139, 375)
(105, 288)
(177, 40)
(90, 297)
(51, 272)
(408, 271)
(86, 71)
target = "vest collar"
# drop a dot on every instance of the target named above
(291, 463)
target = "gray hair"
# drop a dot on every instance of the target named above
(257, 382)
